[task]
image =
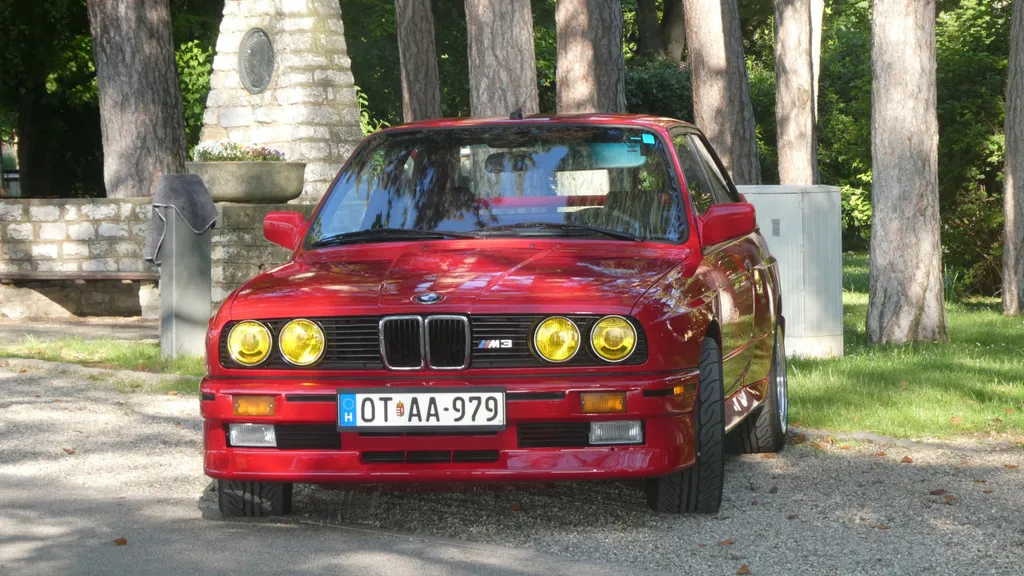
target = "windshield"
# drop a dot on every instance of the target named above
(501, 181)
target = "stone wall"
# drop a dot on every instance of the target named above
(108, 235)
(309, 109)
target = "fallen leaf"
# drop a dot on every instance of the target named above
(986, 491)
(700, 545)
(956, 420)
(753, 502)
(726, 543)
(23, 371)
(773, 490)
(177, 424)
(1011, 466)
(844, 447)
(743, 569)
(4, 364)
(949, 498)
(767, 456)
(516, 507)
(122, 541)
(1009, 410)
(798, 424)
(879, 454)
(830, 440)
(799, 439)
(69, 451)
(817, 446)
(882, 526)
(57, 401)
(791, 517)
(907, 460)
(172, 393)
(979, 481)
(937, 492)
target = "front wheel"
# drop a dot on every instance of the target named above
(240, 498)
(765, 429)
(699, 487)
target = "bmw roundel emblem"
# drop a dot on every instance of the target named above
(428, 298)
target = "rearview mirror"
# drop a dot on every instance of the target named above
(284, 228)
(722, 222)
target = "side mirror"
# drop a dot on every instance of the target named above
(284, 228)
(722, 222)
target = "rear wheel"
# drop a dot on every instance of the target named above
(240, 498)
(765, 430)
(699, 487)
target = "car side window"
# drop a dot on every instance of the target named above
(696, 180)
(723, 193)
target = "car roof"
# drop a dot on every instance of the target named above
(638, 120)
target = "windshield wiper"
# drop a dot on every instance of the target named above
(546, 229)
(386, 235)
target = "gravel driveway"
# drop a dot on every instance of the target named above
(819, 507)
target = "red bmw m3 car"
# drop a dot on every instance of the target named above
(491, 300)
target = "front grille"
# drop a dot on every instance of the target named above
(553, 434)
(447, 342)
(307, 437)
(440, 342)
(429, 456)
(518, 332)
(401, 342)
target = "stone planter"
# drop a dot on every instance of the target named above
(251, 182)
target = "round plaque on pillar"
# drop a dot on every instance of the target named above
(255, 60)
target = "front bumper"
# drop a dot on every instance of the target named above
(664, 403)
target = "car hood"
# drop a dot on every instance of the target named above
(605, 278)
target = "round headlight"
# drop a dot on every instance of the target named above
(557, 339)
(302, 342)
(249, 343)
(613, 338)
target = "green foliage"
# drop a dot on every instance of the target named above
(227, 151)
(856, 217)
(659, 87)
(366, 123)
(195, 62)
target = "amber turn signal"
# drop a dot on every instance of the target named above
(602, 402)
(254, 405)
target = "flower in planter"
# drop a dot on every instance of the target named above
(228, 151)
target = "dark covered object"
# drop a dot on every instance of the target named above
(185, 194)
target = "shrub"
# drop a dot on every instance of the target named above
(226, 151)
(659, 87)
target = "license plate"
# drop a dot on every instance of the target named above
(439, 409)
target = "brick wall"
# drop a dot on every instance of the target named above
(107, 235)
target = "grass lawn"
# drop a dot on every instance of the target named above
(115, 354)
(973, 385)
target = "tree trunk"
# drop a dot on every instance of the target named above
(794, 92)
(141, 115)
(35, 160)
(906, 301)
(648, 30)
(591, 70)
(1013, 246)
(502, 63)
(421, 89)
(673, 31)
(721, 90)
(817, 16)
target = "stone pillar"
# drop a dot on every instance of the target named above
(290, 89)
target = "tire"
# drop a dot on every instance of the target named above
(253, 499)
(699, 487)
(765, 429)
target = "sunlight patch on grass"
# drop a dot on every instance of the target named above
(973, 385)
(113, 354)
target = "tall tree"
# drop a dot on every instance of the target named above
(502, 62)
(795, 93)
(817, 16)
(664, 39)
(1013, 245)
(905, 301)
(421, 89)
(591, 69)
(140, 103)
(721, 89)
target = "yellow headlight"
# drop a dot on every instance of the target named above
(613, 338)
(249, 343)
(557, 339)
(302, 342)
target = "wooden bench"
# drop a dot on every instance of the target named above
(78, 276)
